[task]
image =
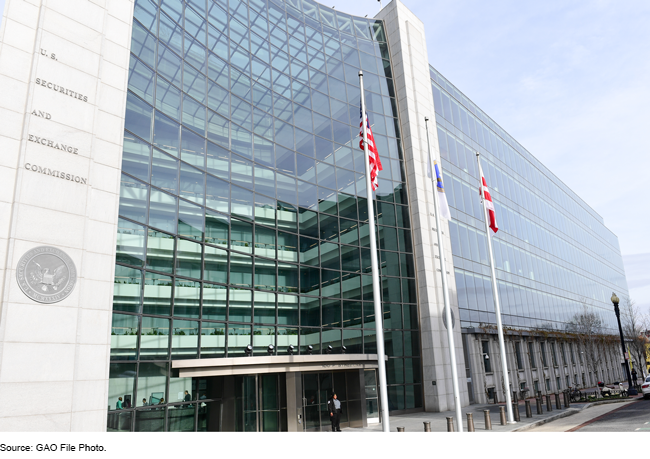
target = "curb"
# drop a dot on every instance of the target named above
(569, 412)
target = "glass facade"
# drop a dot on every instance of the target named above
(553, 254)
(243, 211)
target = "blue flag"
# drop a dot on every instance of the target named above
(442, 197)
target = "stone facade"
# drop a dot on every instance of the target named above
(63, 69)
(406, 37)
(545, 364)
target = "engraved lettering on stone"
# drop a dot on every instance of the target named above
(46, 274)
(53, 144)
(61, 89)
(42, 114)
(50, 55)
(55, 173)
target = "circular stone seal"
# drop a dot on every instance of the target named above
(46, 274)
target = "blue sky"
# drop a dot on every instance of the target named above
(569, 81)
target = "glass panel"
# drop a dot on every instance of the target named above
(154, 339)
(157, 294)
(134, 197)
(180, 418)
(185, 339)
(214, 302)
(126, 289)
(187, 298)
(124, 337)
(121, 389)
(152, 384)
(239, 336)
(160, 251)
(135, 157)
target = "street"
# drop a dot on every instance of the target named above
(633, 416)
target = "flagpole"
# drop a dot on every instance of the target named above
(379, 316)
(497, 307)
(445, 293)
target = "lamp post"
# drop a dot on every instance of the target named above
(630, 388)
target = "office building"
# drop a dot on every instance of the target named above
(184, 220)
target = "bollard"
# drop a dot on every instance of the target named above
(400, 429)
(529, 411)
(502, 414)
(515, 399)
(549, 406)
(450, 424)
(566, 399)
(488, 421)
(538, 400)
(515, 411)
(558, 405)
(427, 426)
(470, 422)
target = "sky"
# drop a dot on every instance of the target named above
(567, 79)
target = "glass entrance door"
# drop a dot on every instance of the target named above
(260, 403)
(317, 390)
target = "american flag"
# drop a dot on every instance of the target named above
(373, 155)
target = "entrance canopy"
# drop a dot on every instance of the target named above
(273, 364)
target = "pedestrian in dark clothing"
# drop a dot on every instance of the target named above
(334, 407)
(633, 377)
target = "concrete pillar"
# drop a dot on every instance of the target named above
(488, 421)
(295, 421)
(515, 411)
(470, 422)
(450, 424)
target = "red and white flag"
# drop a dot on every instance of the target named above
(373, 154)
(487, 200)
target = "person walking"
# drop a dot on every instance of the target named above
(634, 377)
(118, 405)
(334, 407)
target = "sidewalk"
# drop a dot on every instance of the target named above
(414, 422)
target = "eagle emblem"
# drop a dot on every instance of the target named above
(46, 274)
(46, 279)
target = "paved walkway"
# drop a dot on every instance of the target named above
(415, 422)
(571, 422)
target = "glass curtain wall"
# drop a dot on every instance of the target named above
(243, 205)
(553, 254)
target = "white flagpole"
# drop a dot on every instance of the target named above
(445, 291)
(497, 307)
(379, 316)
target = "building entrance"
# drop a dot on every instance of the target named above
(349, 387)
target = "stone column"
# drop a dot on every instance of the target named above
(63, 72)
(408, 49)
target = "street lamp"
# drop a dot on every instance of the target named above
(630, 388)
